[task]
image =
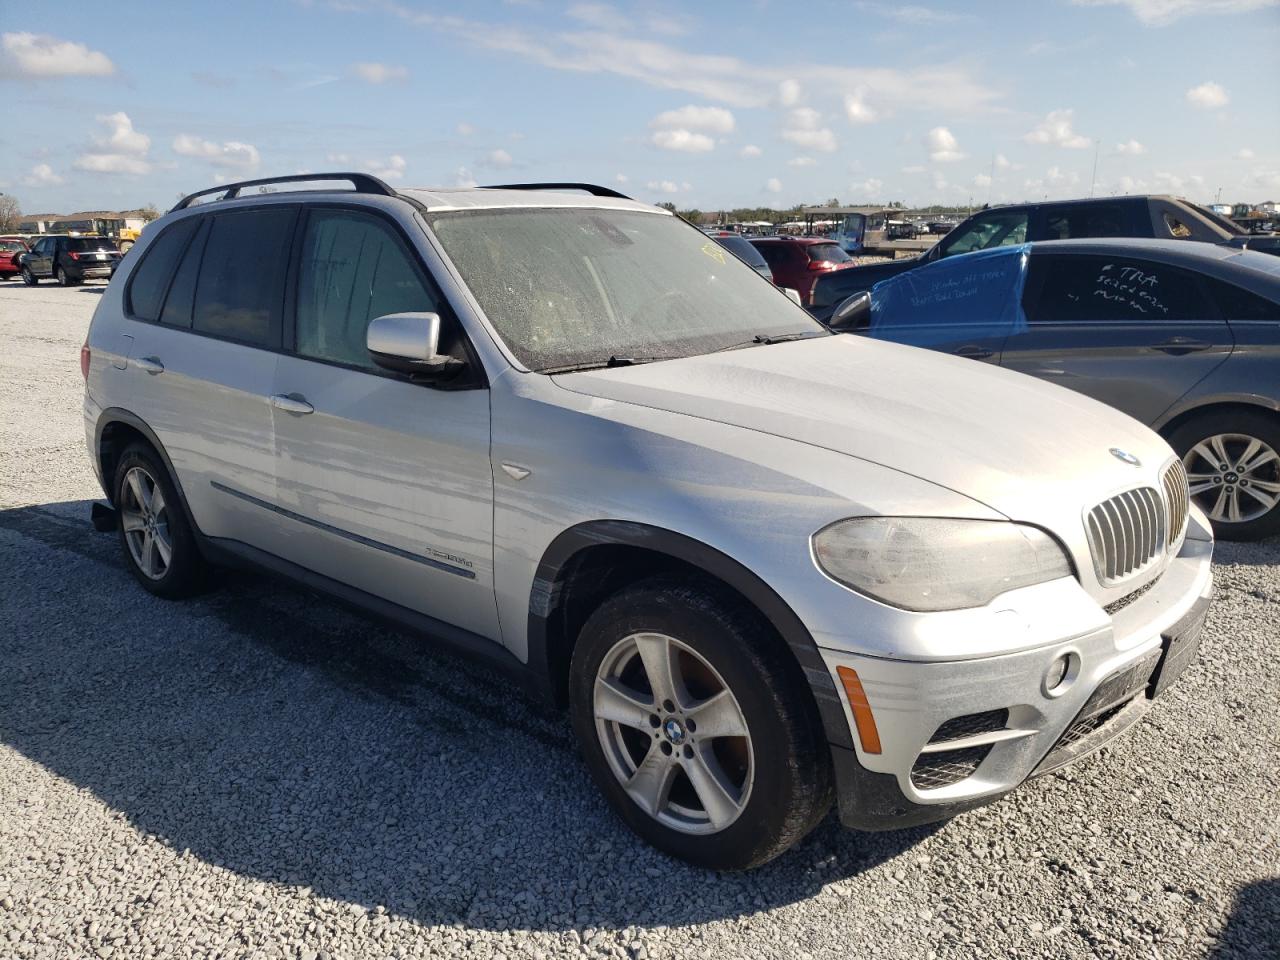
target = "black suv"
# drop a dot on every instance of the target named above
(1161, 218)
(70, 260)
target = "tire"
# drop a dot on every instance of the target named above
(125, 245)
(1202, 443)
(145, 533)
(61, 276)
(29, 278)
(776, 783)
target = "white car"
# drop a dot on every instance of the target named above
(763, 566)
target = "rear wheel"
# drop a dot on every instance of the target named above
(1233, 467)
(695, 723)
(158, 545)
(62, 278)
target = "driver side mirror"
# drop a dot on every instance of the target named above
(409, 343)
(853, 313)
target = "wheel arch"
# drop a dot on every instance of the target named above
(592, 560)
(1219, 406)
(115, 430)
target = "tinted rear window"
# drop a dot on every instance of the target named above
(82, 244)
(240, 292)
(1084, 220)
(827, 253)
(743, 250)
(151, 279)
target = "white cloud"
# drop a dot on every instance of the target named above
(912, 14)
(465, 129)
(914, 168)
(390, 169)
(380, 72)
(802, 162)
(231, 155)
(1001, 162)
(663, 186)
(773, 185)
(683, 141)
(804, 128)
(868, 189)
(982, 180)
(750, 151)
(464, 178)
(112, 163)
(42, 175)
(1245, 154)
(939, 181)
(943, 146)
(1056, 130)
(1208, 96)
(499, 158)
(789, 92)
(1177, 183)
(1158, 13)
(39, 55)
(710, 119)
(1131, 147)
(122, 149)
(857, 109)
(1055, 178)
(620, 178)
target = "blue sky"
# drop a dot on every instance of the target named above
(710, 105)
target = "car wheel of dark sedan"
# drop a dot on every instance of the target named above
(29, 278)
(1233, 466)
(63, 279)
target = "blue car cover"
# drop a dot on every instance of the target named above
(972, 295)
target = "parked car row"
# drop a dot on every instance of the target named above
(764, 567)
(69, 260)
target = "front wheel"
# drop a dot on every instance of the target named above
(29, 278)
(1233, 468)
(696, 724)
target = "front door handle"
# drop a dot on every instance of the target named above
(150, 364)
(1177, 346)
(973, 352)
(292, 403)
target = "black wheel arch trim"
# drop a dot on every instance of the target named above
(544, 599)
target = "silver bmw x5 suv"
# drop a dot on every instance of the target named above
(763, 566)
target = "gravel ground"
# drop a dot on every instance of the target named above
(261, 774)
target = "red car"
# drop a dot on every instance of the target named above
(797, 262)
(10, 249)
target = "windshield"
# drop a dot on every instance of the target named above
(578, 286)
(10, 246)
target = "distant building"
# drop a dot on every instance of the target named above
(109, 223)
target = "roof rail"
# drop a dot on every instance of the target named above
(362, 182)
(594, 189)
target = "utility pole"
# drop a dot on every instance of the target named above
(1093, 180)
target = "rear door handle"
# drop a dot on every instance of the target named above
(1177, 346)
(973, 352)
(292, 403)
(150, 364)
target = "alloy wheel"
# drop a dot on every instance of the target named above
(1233, 477)
(144, 518)
(673, 733)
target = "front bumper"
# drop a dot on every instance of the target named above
(958, 734)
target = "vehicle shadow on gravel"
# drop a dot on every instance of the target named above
(269, 732)
(1253, 927)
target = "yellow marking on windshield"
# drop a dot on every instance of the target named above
(714, 251)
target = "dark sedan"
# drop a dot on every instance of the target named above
(1183, 336)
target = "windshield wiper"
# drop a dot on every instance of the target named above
(602, 364)
(762, 340)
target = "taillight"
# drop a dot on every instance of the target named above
(84, 362)
(74, 256)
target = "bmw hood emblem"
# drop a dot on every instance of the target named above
(1125, 457)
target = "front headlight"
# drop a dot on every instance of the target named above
(925, 563)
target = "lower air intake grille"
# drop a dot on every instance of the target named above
(971, 724)
(1082, 728)
(934, 770)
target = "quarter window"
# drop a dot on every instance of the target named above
(240, 292)
(1237, 304)
(1070, 289)
(151, 279)
(353, 268)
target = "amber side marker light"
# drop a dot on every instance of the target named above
(862, 717)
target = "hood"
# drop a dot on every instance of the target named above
(1030, 450)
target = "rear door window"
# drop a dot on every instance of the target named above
(240, 292)
(352, 269)
(151, 279)
(999, 228)
(1092, 289)
(1083, 220)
